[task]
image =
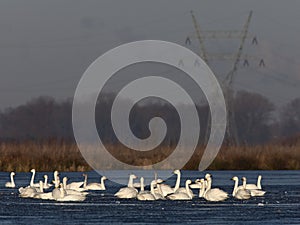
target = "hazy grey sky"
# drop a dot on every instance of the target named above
(45, 46)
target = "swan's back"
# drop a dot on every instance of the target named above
(257, 192)
(215, 195)
(127, 192)
(242, 194)
(179, 196)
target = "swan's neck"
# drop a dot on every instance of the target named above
(85, 181)
(188, 189)
(130, 182)
(244, 183)
(12, 179)
(46, 181)
(209, 181)
(152, 188)
(258, 182)
(32, 178)
(56, 180)
(142, 184)
(235, 187)
(177, 182)
(208, 186)
(102, 183)
(202, 190)
(64, 184)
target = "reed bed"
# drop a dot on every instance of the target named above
(63, 156)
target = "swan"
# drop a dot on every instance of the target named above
(240, 193)
(146, 195)
(256, 186)
(32, 184)
(254, 192)
(129, 191)
(56, 192)
(182, 195)
(27, 192)
(158, 194)
(213, 195)
(71, 191)
(95, 186)
(56, 177)
(69, 197)
(166, 189)
(41, 195)
(75, 185)
(46, 185)
(196, 185)
(11, 184)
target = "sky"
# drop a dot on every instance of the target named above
(45, 46)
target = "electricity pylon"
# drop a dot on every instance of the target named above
(229, 94)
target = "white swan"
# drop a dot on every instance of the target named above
(27, 192)
(240, 193)
(256, 186)
(95, 186)
(46, 185)
(254, 192)
(32, 184)
(146, 195)
(56, 177)
(69, 197)
(11, 184)
(71, 191)
(158, 194)
(129, 191)
(56, 192)
(75, 185)
(196, 185)
(182, 195)
(41, 195)
(166, 189)
(213, 195)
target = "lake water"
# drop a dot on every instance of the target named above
(280, 205)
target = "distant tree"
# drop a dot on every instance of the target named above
(253, 114)
(290, 118)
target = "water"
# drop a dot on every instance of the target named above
(280, 205)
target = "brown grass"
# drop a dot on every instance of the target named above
(59, 155)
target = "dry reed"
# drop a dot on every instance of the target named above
(59, 155)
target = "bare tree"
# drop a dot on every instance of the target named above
(253, 114)
(290, 118)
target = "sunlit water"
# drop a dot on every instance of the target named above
(280, 205)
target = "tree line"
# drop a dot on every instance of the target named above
(257, 119)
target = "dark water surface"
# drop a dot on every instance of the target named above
(280, 205)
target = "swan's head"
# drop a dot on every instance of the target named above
(32, 170)
(65, 179)
(159, 181)
(12, 173)
(244, 179)
(104, 178)
(188, 182)
(235, 178)
(259, 177)
(56, 173)
(132, 176)
(207, 176)
(197, 181)
(45, 176)
(176, 172)
(85, 175)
